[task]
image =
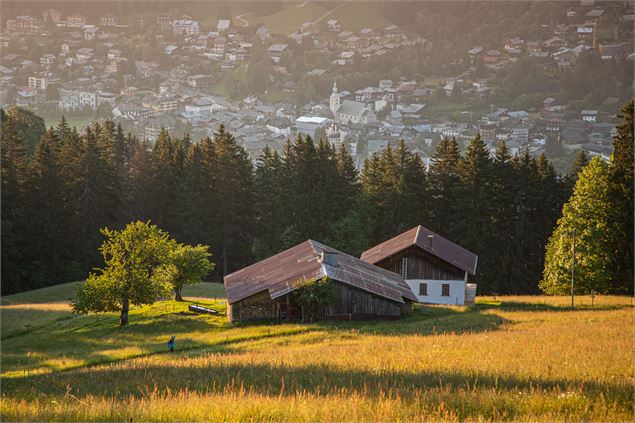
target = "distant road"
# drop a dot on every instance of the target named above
(243, 22)
(330, 11)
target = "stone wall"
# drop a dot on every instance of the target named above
(257, 307)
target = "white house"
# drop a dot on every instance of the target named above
(435, 268)
(37, 82)
(308, 124)
(185, 26)
(589, 115)
(203, 105)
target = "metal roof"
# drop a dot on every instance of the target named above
(427, 240)
(281, 273)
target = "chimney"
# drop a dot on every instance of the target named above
(329, 258)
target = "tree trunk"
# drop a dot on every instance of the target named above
(123, 321)
(177, 294)
(224, 259)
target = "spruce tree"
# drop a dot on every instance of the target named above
(233, 194)
(445, 189)
(502, 219)
(46, 212)
(475, 170)
(621, 204)
(138, 179)
(93, 209)
(14, 173)
(269, 194)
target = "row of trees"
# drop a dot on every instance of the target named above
(502, 207)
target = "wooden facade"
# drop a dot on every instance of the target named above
(351, 304)
(421, 264)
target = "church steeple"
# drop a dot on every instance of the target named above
(335, 100)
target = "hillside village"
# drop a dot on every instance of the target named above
(96, 70)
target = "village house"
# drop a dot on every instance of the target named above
(23, 24)
(265, 290)
(156, 124)
(185, 26)
(200, 81)
(435, 268)
(47, 59)
(277, 51)
(37, 82)
(108, 20)
(589, 115)
(308, 124)
(76, 20)
(53, 15)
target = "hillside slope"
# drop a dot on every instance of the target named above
(522, 358)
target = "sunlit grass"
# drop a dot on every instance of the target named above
(508, 358)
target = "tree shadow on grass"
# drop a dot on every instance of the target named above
(530, 306)
(280, 380)
(426, 321)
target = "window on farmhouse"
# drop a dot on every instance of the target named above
(423, 289)
(404, 267)
(445, 290)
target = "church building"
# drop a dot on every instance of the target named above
(349, 111)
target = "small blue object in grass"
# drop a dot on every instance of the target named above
(171, 344)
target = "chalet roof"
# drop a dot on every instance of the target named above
(427, 240)
(281, 273)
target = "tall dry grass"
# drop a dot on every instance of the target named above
(512, 359)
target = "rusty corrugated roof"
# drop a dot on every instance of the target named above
(427, 240)
(280, 274)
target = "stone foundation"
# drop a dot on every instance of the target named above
(257, 307)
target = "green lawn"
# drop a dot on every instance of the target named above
(357, 15)
(80, 122)
(507, 359)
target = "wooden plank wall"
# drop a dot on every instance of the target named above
(356, 301)
(422, 265)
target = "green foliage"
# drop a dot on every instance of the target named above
(314, 294)
(135, 258)
(186, 265)
(25, 125)
(621, 199)
(584, 221)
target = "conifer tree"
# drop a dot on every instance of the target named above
(93, 209)
(269, 194)
(475, 170)
(233, 194)
(14, 173)
(46, 213)
(138, 179)
(502, 218)
(621, 204)
(195, 198)
(445, 189)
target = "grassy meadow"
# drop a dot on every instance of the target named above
(508, 358)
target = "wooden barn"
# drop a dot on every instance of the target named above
(435, 268)
(363, 291)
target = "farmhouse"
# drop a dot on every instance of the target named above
(265, 289)
(435, 268)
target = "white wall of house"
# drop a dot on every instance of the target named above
(435, 290)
